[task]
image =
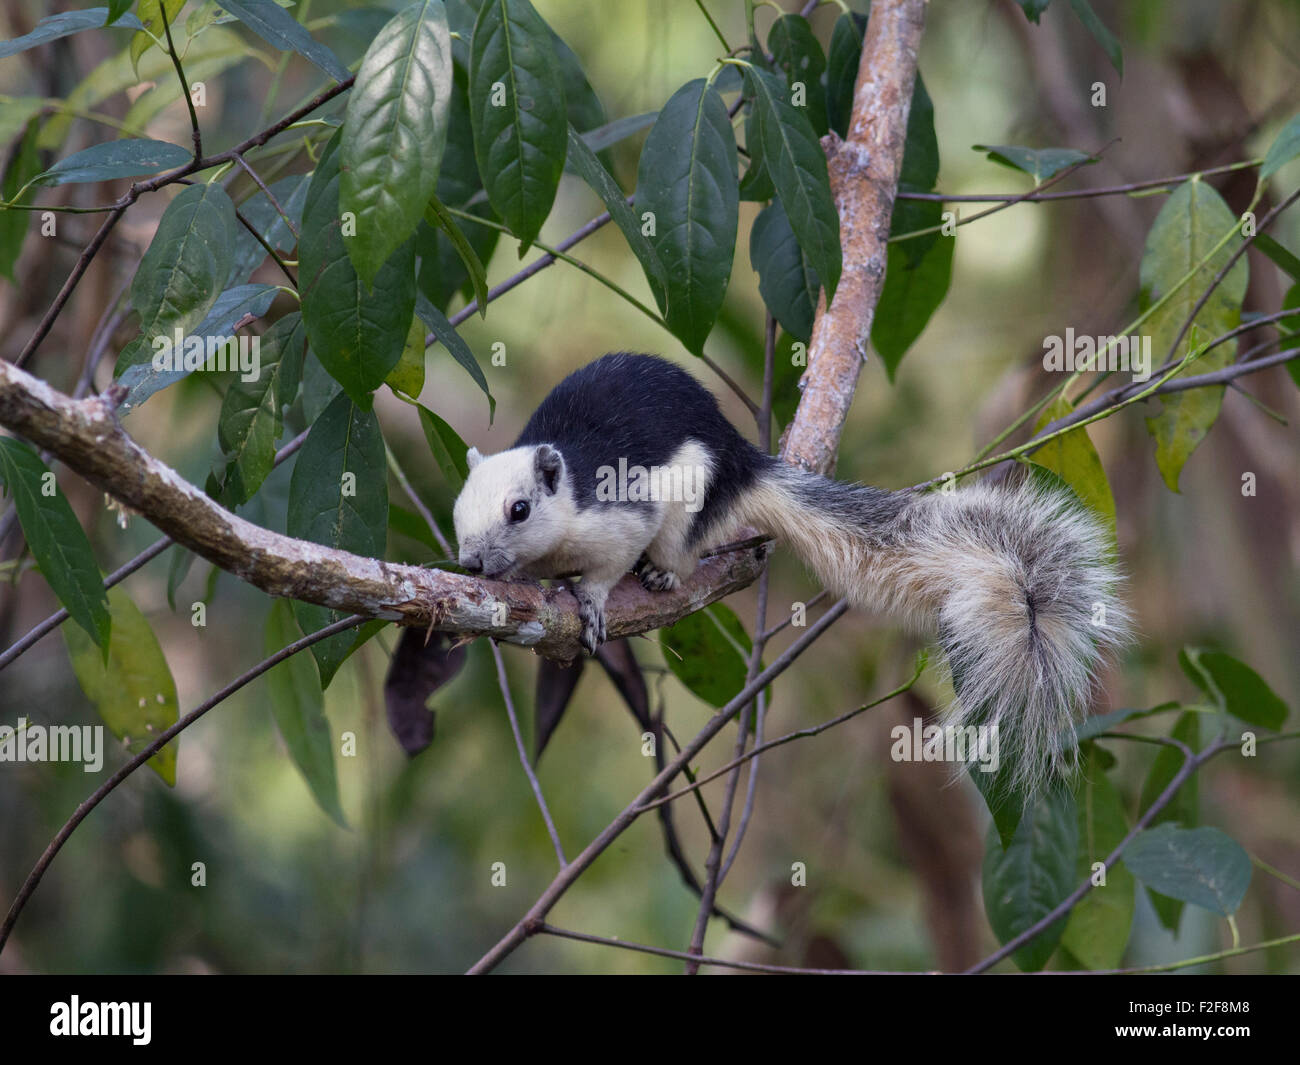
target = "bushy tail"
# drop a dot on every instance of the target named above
(1019, 585)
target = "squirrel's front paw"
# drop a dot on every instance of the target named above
(593, 624)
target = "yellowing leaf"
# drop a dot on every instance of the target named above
(134, 692)
(1073, 458)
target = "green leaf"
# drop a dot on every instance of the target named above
(913, 291)
(1039, 163)
(583, 109)
(151, 17)
(796, 52)
(1192, 221)
(708, 651)
(357, 331)
(435, 214)
(23, 165)
(132, 690)
(920, 169)
(792, 156)
(615, 132)
(842, 62)
(318, 388)
(1183, 808)
(143, 379)
(394, 133)
(1073, 458)
(517, 111)
(52, 27)
(1100, 33)
(115, 159)
(338, 496)
(686, 183)
(1234, 687)
(1026, 880)
(786, 280)
(582, 159)
(447, 448)
(1285, 147)
(407, 377)
(281, 30)
(756, 186)
(291, 194)
(298, 706)
(1202, 866)
(56, 538)
(443, 272)
(183, 270)
(16, 114)
(1098, 928)
(1280, 255)
(447, 336)
(252, 411)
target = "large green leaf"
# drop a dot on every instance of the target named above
(797, 53)
(357, 331)
(183, 271)
(1191, 223)
(133, 690)
(786, 279)
(793, 157)
(443, 267)
(298, 706)
(1234, 686)
(686, 182)
(1202, 866)
(708, 651)
(252, 411)
(1098, 929)
(56, 538)
(338, 496)
(1028, 879)
(517, 111)
(281, 30)
(394, 133)
(115, 159)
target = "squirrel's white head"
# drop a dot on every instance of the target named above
(515, 508)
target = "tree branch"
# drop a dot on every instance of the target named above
(864, 172)
(86, 436)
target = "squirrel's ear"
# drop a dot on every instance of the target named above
(548, 464)
(473, 457)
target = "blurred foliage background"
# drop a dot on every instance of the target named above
(892, 851)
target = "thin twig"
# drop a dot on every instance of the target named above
(529, 772)
(531, 922)
(164, 738)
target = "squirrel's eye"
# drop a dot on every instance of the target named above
(519, 512)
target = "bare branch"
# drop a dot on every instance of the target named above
(864, 172)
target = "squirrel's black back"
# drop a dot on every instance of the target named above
(642, 409)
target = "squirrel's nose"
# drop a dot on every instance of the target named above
(473, 563)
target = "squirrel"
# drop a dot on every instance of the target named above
(629, 465)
